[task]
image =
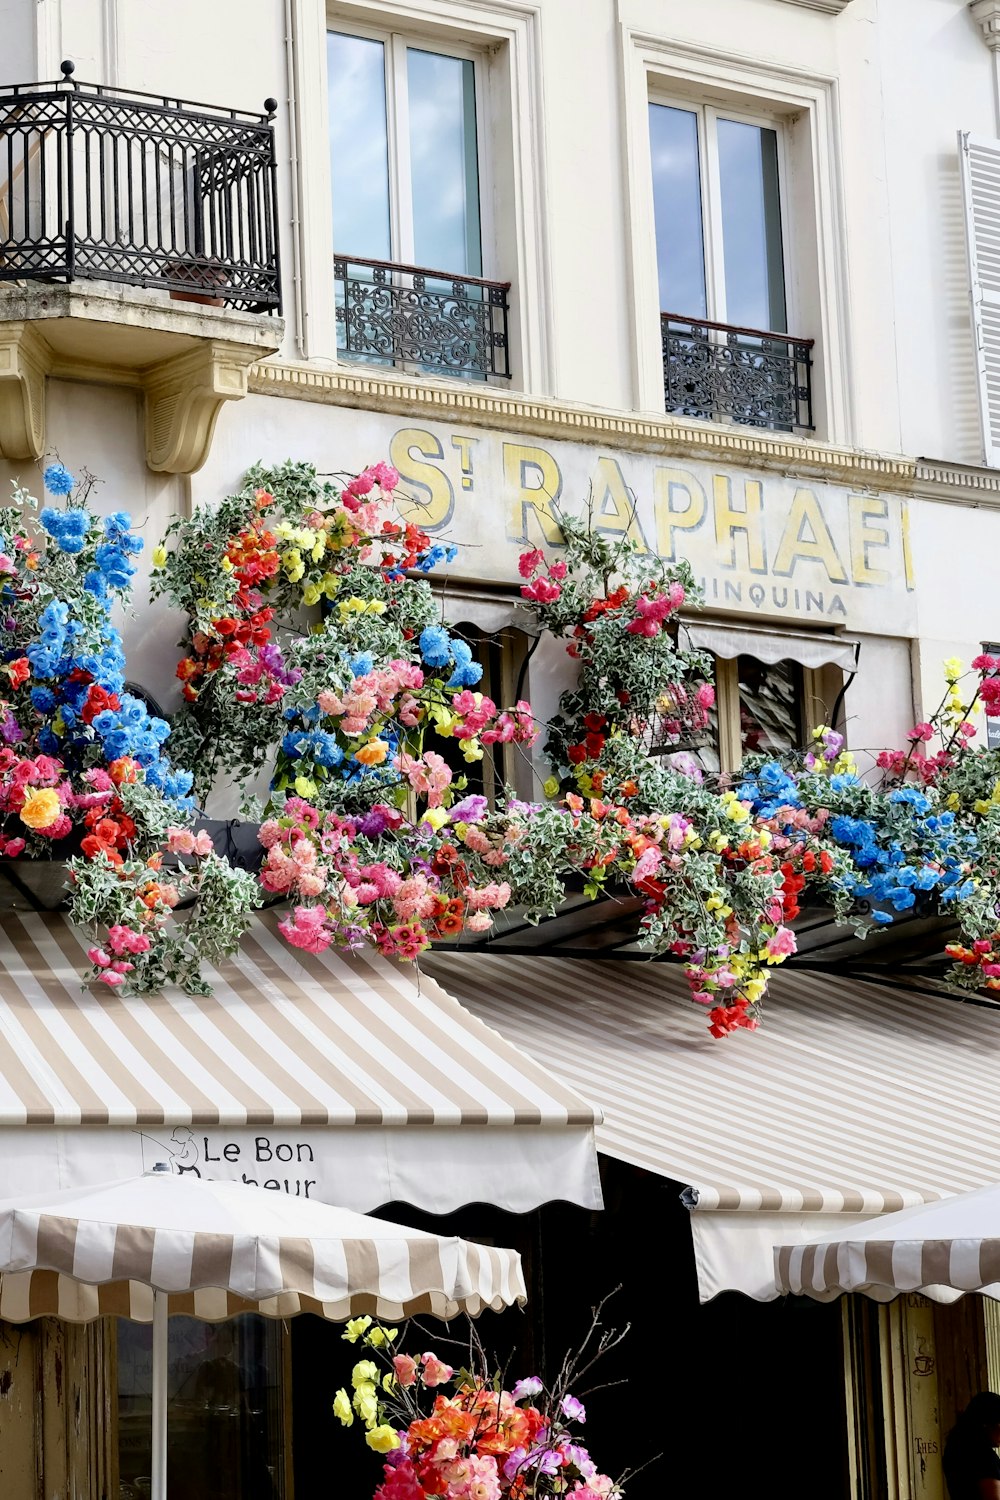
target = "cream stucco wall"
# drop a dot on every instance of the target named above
(883, 89)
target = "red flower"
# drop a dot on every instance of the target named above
(19, 670)
(98, 699)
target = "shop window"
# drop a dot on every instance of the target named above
(718, 201)
(503, 656)
(406, 132)
(226, 1421)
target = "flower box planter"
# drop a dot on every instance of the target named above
(199, 277)
(34, 884)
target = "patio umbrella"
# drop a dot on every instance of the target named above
(144, 1247)
(941, 1250)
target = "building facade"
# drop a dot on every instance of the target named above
(722, 271)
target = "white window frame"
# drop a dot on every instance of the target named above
(507, 34)
(397, 44)
(708, 117)
(808, 103)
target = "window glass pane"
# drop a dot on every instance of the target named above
(224, 1417)
(751, 226)
(770, 705)
(359, 148)
(443, 162)
(680, 250)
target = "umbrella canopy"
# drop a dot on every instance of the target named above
(215, 1249)
(941, 1250)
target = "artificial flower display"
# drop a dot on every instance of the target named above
(85, 774)
(462, 1434)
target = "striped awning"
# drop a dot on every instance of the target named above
(215, 1249)
(345, 1077)
(853, 1098)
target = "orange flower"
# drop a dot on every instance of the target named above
(372, 753)
(123, 769)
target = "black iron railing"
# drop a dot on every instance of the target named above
(431, 320)
(103, 184)
(722, 373)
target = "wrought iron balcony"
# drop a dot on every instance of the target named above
(105, 184)
(746, 375)
(430, 320)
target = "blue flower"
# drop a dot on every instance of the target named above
(44, 699)
(435, 646)
(57, 479)
(362, 663)
(884, 917)
(467, 672)
(910, 795)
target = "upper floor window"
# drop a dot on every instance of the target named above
(718, 211)
(405, 132)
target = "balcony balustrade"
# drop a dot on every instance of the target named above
(104, 184)
(433, 321)
(742, 375)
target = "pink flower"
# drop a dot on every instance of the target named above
(406, 1369)
(435, 1371)
(541, 590)
(386, 477)
(308, 930)
(922, 732)
(180, 841)
(572, 1409)
(557, 570)
(705, 695)
(99, 958)
(782, 943)
(646, 865)
(529, 562)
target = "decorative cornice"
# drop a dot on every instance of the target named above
(987, 13)
(480, 406)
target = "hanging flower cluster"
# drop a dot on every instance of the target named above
(84, 773)
(460, 1434)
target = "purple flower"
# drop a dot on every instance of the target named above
(523, 809)
(515, 1459)
(580, 1459)
(532, 1386)
(372, 825)
(10, 730)
(545, 1460)
(572, 1409)
(470, 809)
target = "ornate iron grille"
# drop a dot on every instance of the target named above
(104, 184)
(408, 315)
(721, 373)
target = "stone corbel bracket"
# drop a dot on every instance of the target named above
(987, 13)
(25, 359)
(832, 7)
(185, 359)
(183, 398)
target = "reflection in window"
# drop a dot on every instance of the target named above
(224, 1422)
(770, 705)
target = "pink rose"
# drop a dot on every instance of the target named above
(406, 1369)
(435, 1371)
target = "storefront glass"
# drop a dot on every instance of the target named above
(225, 1423)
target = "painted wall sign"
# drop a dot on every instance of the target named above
(763, 544)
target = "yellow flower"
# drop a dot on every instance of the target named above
(736, 812)
(437, 817)
(305, 786)
(355, 1328)
(311, 593)
(342, 1408)
(389, 1382)
(954, 802)
(471, 749)
(365, 1372)
(551, 788)
(160, 557)
(383, 1439)
(718, 841)
(226, 565)
(754, 989)
(380, 1336)
(41, 808)
(714, 903)
(366, 1404)
(953, 669)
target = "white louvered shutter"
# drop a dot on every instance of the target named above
(980, 165)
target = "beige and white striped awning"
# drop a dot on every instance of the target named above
(215, 1249)
(852, 1099)
(344, 1077)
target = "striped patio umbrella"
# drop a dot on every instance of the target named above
(148, 1246)
(942, 1250)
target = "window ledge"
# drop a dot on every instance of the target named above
(187, 360)
(832, 7)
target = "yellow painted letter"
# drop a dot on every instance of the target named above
(806, 535)
(435, 506)
(681, 504)
(749, 520)
(614, 509)
(862, 509)
(533, 484)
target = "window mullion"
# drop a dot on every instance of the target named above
(711, 188)
(400, 178)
